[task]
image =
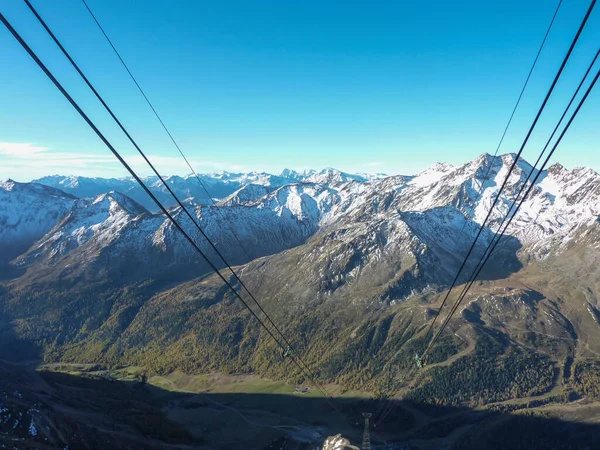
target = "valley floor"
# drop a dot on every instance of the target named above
(241, 411)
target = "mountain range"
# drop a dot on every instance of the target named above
(430, 218)
(352, 268)
(218, 185)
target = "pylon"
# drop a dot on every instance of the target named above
(366, 444)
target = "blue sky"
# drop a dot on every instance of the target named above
(262, 85)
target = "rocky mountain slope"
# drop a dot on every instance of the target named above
(219, 185)
(351, 268)
(27, 212)
(411, 230)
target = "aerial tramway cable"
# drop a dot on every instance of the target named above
(289, 349)
(284, 348)
(423, 357)
(499, 234)
(486, 256)
(164, 126)
(531, 172)
(495, 243)
(63, 91)
(514, 163)
(512, 114)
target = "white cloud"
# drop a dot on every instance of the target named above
(15, 153)
(26, 161)
(374, 164)
(21, 150)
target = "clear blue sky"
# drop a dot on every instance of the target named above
(261, 85)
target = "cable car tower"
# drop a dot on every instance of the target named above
(366, 444)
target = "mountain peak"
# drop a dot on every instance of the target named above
(441, 166)
(556, 169)
(486, 159)
(485, 163)
(121, 202)
(432, 174)
(7, 184)
(33, 188)
(297, 175)
(509, 156)
(288, 173)
(329, 175)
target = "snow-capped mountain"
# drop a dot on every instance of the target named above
(354, 268)
(297, 176)
(246, 194)
(332, 177)
(102, 219)
(424, 222)
(219, 185)
(27, 212)
(85, 186)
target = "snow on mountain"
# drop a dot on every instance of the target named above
(473, 187)
(261, 230)
(562, 201)
(102, 219)
(311, 175)
(431, 175)
(219, 185)
(302, 202)
(332, 177)
(442, 208)
(430, 218)
(373, 176)
(297, 176)
(112, 232)
(27, 212)
(85, 186)
(246, 194)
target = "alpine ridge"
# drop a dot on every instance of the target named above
(422, 214)
(352, 268)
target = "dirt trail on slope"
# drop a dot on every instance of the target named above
(463, 334)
